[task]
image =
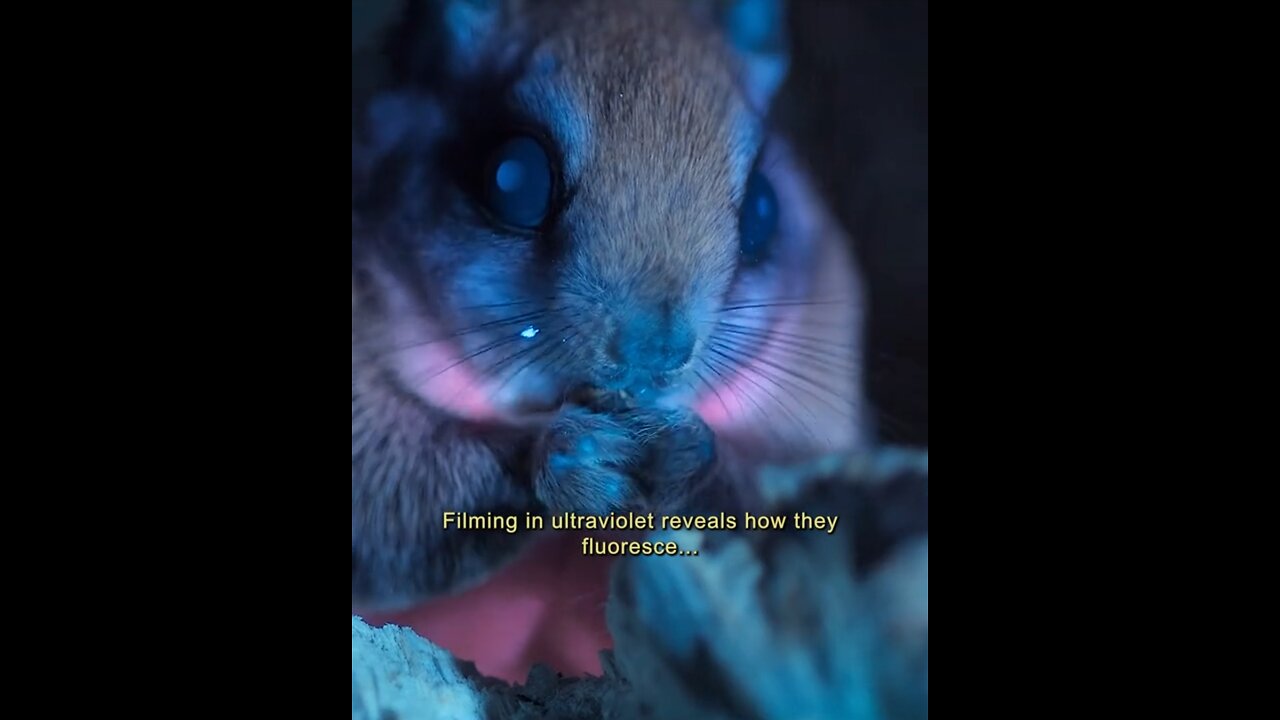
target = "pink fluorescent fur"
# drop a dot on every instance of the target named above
(430, 366)
(547, 607)
(760, 401)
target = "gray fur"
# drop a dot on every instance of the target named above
(658, 122)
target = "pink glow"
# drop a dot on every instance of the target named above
(458, 389)
(430, 365)
(547, 607)
(761, 401)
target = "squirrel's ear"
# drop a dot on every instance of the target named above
(401, 42)
(467, 25)
(756, 29)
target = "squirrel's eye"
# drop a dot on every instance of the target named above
(518, 183)
(758, 222)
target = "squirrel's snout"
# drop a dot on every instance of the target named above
(645, 346)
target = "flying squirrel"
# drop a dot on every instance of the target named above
(586, 276)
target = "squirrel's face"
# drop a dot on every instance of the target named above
(585, 199)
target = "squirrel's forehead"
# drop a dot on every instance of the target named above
(660, 111)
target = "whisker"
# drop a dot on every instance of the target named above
(808, 322)
(765, 390)
(488, 371)
(783, 303)
(562, 349)
(779, 342)
(714, 366)
(707, 362)
(738, 346)
(757, 361)
(473, 355)
(496, 306)
(753, 368)
(514, 320)
(713, 390)
(545, 348)
(783, 333)
(779, 298)
(810, 360)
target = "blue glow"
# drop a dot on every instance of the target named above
(529, 333)
(510, 175)
(519, 183)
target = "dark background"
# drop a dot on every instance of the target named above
(856, 104)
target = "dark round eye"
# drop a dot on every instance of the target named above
(759, 220)
(518, 183)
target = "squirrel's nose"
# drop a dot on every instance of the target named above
(653, 341)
